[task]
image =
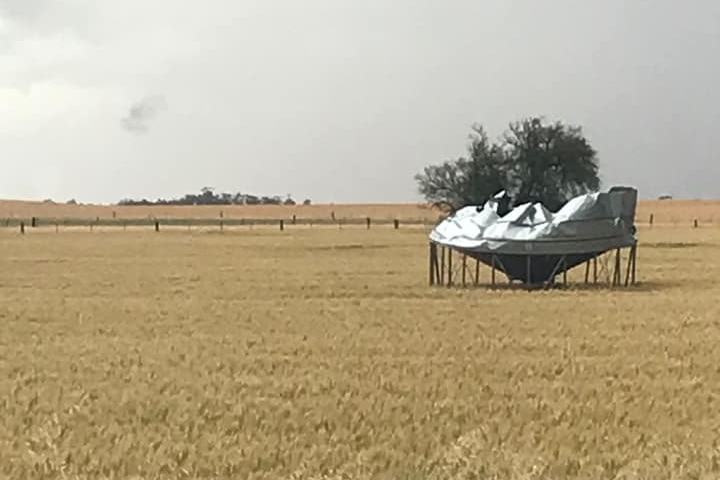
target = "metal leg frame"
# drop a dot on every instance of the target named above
(443, 270)
(561, 263)
(615, 272)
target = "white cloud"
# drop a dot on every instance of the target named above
(48, 105)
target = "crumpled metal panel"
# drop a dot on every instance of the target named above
(587, 224)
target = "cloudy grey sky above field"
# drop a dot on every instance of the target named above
(343, 100)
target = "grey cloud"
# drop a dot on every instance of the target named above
(143, 113)
(347, 99)
(22, 9)
(45, 19)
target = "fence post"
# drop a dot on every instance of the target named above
(652, 218)
(695, 223)
(157, 225)
(282, 225)
(397, 224)
(367, 220)
(221, 224)
(294, 219)
(22, 228)
(33, 222)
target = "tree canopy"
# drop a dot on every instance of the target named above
(533, 161)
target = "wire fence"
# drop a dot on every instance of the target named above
(158, 224)
(22, 224)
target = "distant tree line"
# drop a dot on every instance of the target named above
(208, 196)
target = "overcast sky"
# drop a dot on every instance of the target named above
(344, 100)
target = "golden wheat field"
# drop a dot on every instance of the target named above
(22, 209)
(321, 353)
(675, 212)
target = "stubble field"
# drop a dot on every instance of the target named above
(322, 353)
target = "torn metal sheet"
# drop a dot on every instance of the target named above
(586, 226)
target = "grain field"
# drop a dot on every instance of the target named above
(323, 354)
(666, 212)
(411, 211)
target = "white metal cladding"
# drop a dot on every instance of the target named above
(593, 222)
